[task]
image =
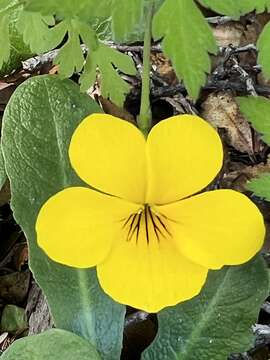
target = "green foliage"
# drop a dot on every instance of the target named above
(112, 85)
(217, 322)
(260, 186)
(187, 41)
(38, 123)
(236, 8)
(51, 345)
(3, 176)
(13, 319)
(257, 111)
(263, 45)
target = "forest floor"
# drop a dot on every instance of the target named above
(235, 72)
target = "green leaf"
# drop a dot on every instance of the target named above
(112, 85)
(37, 33)
(13, 319)
(236, 8)
(263, 45)
(217, 322)
(187, 40)
(257, 111)
(70, 57)
(125, 15)
(3, 175)
(260, 186)
(51, 345)
(38, 123)
(4, 39)
(14, 45)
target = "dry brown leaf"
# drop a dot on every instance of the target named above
(228, 34)
(222, 111)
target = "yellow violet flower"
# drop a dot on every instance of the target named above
(152, 242)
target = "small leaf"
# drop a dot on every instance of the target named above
(260, 186)
(236, 8)
(263, 45)
(70, 57)
(257, 111)
(112, 85)
(50, 345)
(217, 322)
(38, 123)
(187, 40)
(13, 319)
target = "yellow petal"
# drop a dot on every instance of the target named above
(216, 228)
(149, 273)
(77, 226)
(184, 156)
(109, 154)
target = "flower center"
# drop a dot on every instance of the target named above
(146, 224)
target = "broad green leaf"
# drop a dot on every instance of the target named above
(112, 85)
(236, 8)
(263, 45)
(260, 186)
(257, 111)
(217, 322)
(51, 345)
(38, 123)
(13, 319)
(187, 41)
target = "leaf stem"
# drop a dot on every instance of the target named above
(145, 118)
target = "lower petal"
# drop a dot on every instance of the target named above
(76, 226)
(216, 228)
(149, 277)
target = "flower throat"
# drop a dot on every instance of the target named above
(146, 223)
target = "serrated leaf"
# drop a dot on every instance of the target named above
(217, 322)
(50, 345)
(37, 33)
(123, 25)
(70, 57)
(19, 51)
(4, 39)
(260, 186)
(38, 123)
(187, 41)
(236, 8)
(257, 111)
(112, 85)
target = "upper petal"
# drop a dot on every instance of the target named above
(77, 226)
(109, 154)
(216, 228)
(184, 155)
(149, 274)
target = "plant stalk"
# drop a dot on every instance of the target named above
(145, 118)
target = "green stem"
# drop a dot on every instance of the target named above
(145, 117)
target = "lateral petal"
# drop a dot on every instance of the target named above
(77, 226)
(216, 228)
